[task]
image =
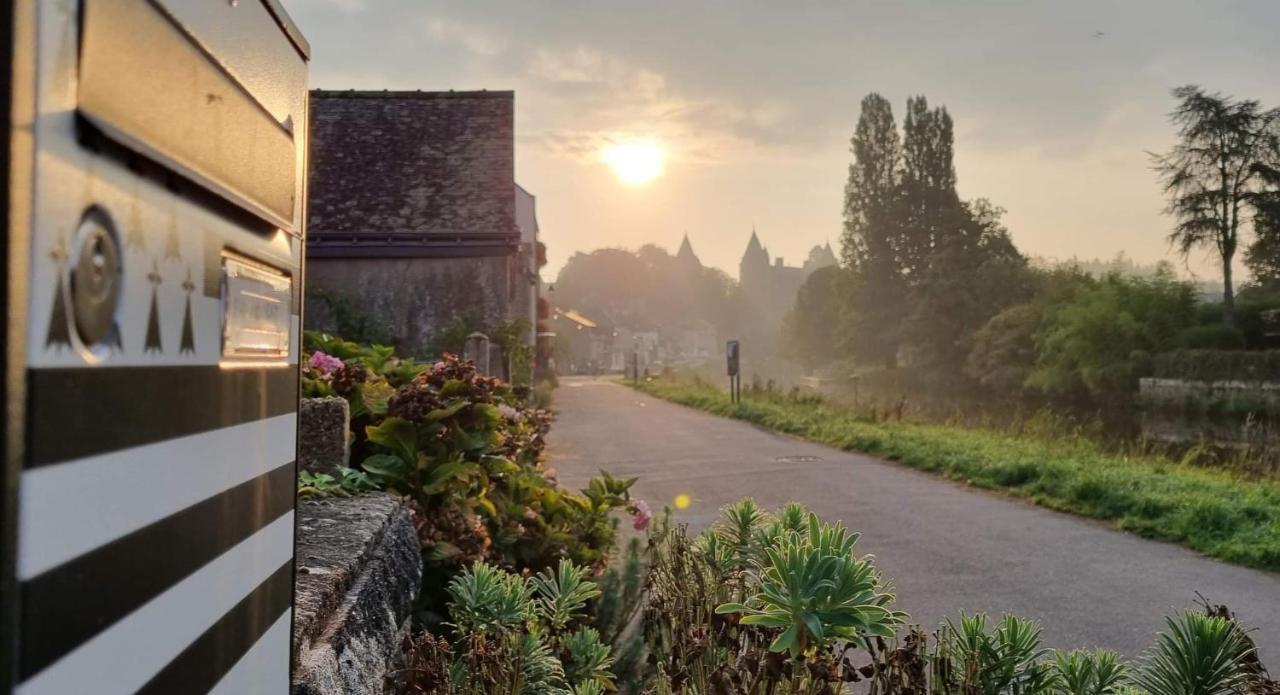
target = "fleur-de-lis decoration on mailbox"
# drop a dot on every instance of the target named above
(59, 334)
(153, 319)
(188, 344)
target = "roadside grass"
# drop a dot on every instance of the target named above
(1215, 512)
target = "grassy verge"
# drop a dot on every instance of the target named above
(1214, 512)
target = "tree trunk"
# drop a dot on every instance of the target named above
(1228, 293)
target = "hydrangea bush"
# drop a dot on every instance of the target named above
(466, 452)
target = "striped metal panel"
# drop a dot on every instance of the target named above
(152, 492)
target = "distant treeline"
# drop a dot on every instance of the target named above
(933, 285)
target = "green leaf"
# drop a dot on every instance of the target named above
(387, 468)
(453, 387)
(448, 411)
(499, 465)
(815, 626)
(441, 551)
(786, 642)
(485, 505)
(374, 395)
(766, 619)
(439, 477)
(490, 412)
(398, 435)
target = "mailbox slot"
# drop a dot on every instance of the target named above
(146, 82)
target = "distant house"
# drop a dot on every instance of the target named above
(415, 220)
(582, 345)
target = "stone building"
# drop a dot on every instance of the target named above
(532, 255)
(770, 287)
(413, 215)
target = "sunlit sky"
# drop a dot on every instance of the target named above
(752, 104)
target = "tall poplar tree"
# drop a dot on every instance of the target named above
(929, 207)
(871, 240)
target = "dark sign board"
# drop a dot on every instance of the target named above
(731, 355)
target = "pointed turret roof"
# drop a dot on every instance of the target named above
(756, 252)
(686, 256)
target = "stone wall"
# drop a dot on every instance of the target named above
(324, 434)
(357, 575)
(412, 299)
(1229, 413)
(1184, 393)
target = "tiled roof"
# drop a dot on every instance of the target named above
(411, 169)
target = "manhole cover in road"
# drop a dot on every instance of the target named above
(798, 459)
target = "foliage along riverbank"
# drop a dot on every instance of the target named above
(1214, 512)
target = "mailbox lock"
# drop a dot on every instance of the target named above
(95, 277)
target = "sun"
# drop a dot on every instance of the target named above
(635, 162)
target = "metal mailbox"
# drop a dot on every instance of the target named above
(154, 194)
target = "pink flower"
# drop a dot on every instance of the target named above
(325, 364)
(641, 515)
(508, 412)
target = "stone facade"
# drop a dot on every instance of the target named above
(412, 299)
(412, 212)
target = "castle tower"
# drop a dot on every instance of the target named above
(755, 260)
(820, 257)
(686, 259)
(753, 270)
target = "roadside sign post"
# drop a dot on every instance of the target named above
(154, 215)
(735, 379)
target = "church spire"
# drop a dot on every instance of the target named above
(686, 256)
(754, 247)
(755, 259)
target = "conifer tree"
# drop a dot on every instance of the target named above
(870, 242)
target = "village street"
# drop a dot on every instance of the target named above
(946, 548)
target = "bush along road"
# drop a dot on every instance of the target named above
(1218, 513)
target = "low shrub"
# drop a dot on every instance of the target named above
(1148, 494)
(780, 603)
(1211, 337)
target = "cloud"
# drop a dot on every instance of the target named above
(760, 98)
(614, 100)
(474, 39)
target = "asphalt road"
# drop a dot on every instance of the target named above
(946, 547)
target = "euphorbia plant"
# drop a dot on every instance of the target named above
(815, 590)
(514, 635)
